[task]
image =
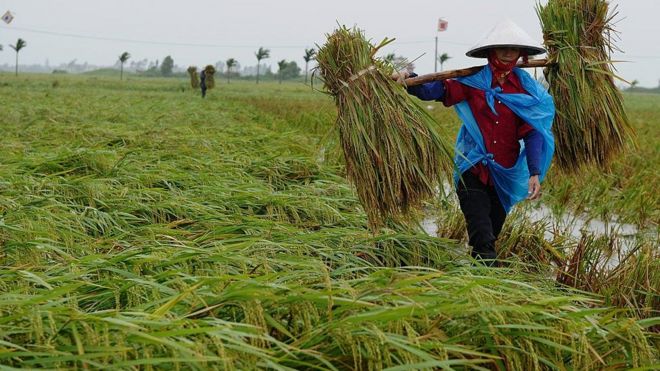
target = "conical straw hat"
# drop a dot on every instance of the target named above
(505, 34)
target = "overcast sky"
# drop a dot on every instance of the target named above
(204, 32)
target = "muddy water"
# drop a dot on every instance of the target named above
(576, 226)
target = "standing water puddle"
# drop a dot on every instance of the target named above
(574, 226)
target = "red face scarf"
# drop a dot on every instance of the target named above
(501, 69)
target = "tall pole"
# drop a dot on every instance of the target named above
(435, 55)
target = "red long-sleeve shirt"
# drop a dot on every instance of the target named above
(501, 132)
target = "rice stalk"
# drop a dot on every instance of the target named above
(630, 281)
(194, 254)
(394, 155)
(634, 283)
(209, 79)
(194, 77)
(591, 125)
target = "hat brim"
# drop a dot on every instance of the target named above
(482, 51)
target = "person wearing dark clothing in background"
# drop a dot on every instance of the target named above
(202, 82)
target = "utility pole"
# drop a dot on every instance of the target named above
(435, 55)
(442, 26)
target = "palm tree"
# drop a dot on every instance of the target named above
(231, 62)
(281, 65)
(261, 54)
(122, 59)
(309, 55)
(20, 44)
(442, 59)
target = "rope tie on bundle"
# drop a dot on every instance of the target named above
(357, 75)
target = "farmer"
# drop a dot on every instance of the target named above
(499, 106)
(202, 82)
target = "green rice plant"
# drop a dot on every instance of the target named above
(394, 155)
(626, 279)
(592, 125)
(79, 162)
(584, 266)
(525, 243)
(196, 251)
(634, 283)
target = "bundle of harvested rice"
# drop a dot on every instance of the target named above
(209, 71)
(591, 124)
(394, 155)
(194, 77)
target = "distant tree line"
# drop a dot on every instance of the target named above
(164, 68)
(229, 69)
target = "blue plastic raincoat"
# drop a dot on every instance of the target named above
(535, 108)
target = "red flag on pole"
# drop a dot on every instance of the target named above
(442, 25)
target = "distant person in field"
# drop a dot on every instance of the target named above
(202, 82)
(503, 110)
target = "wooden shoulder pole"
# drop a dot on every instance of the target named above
(439, 76)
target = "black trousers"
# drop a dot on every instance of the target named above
(483, 213)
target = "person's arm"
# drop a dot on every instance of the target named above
(434, 90)
(533, 145)
(455, 92)
(449, 92)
